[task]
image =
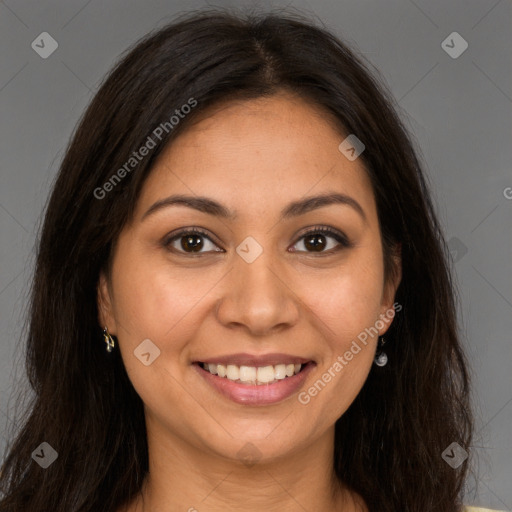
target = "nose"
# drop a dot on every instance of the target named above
(258, 298)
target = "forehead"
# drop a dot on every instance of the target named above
(267, 150)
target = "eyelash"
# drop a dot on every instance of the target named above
(322, 230)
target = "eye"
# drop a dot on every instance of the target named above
(190, 241)
(314, 240)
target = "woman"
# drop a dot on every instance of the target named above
(242, 299)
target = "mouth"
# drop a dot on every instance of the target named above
(255, 380)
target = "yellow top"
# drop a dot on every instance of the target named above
(478, 509)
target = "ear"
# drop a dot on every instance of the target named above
(387, 310)
(104, 301)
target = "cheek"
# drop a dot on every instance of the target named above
(157, 303)
(346, 299)
(348, 304)
(153, 299)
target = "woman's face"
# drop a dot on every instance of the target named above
(253, 292)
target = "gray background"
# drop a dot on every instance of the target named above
(459, 111)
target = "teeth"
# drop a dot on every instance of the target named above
(248, 374)
(252, 374)
(266, 374)
(232, 372)
(280, 371)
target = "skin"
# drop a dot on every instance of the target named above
(254, 157)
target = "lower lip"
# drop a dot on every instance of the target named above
(248, 394)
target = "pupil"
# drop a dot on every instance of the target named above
(315, 242)
(188, 242)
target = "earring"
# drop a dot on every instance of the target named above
(381, 357)
(108, 340)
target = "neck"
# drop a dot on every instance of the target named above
(184, 477)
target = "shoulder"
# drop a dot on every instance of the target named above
(479, 509)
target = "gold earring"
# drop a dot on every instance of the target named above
(108, 339)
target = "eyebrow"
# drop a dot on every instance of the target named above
(294, 209)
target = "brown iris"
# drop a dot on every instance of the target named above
(192, 242)
(315, 242)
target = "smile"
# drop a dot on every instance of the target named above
(255, 380)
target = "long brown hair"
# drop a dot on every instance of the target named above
(388, 444)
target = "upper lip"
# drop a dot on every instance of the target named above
(244, 359)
